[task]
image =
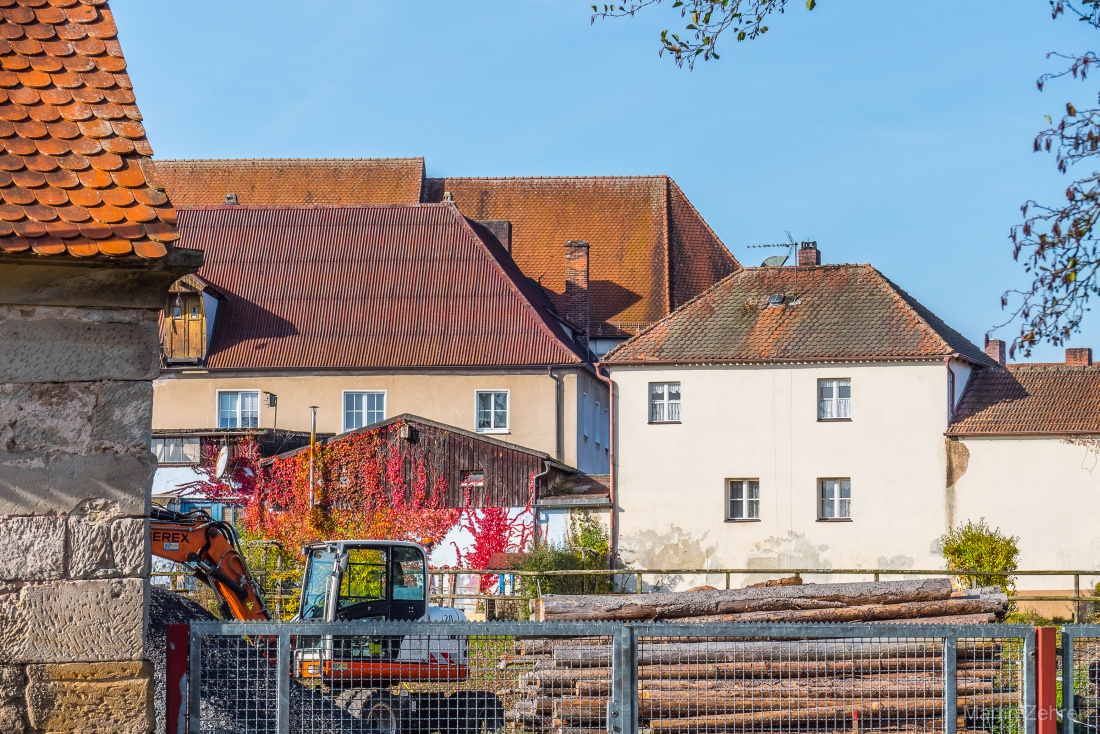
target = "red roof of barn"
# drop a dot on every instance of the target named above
(365, 287)
(293, 181)
(75, 175)
(1030, 399)
(827, 312)
(650, 251)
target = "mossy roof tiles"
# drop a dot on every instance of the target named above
(1030, 399)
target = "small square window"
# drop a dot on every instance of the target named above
(742, 499)
(835, 499)
(834, 399)
(664, 402)
(238, 408)
(491, 411)
(363, 408)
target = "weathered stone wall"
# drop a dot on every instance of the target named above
(78, 353)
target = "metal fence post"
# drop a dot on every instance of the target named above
(282, 685)
(622, 712)
(1031, 682)
(194, 680)
(950, 685)
(1046, 671)
(1068, 692)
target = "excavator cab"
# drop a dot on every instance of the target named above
(365, 580)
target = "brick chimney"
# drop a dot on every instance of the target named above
(1079, 356)
(501, 229)
(808, 254)
(577, 310)
(995, 349)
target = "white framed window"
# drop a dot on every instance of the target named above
(835, 499)
(599, 424)
(607, 422)
(742, 499)
(585, 416)
(363, 407)
(491, 411)
(834, 399)
(176, 450)
(664, 402)
(238, 408)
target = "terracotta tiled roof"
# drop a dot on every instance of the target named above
(290, 182)
(1030, 399)
(650, 251)
(829, 312)
(75, 175)
(361, 287)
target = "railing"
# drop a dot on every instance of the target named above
(587, 678)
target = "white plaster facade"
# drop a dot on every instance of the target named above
(760, 422)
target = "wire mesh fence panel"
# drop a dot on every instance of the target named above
(1081, 690)
(586, 678)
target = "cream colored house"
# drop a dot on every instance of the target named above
(789, 417)
(367, 312)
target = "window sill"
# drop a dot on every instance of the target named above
(834, 519)
(498, 431)
(665, 423)
(834, 420)
(744, 519)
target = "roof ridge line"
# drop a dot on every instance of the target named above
(283, 160)
(706, 224)
(654, 176)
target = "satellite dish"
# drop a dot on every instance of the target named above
(775, 261)
(223, 462)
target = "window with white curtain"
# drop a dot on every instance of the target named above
(491, 408)
(238, 408)
(664, 402)
(742, 499)
(363, 408)
(836, 499)
(834, 399)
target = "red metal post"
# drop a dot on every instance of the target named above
(176, 666)
(1046, 708)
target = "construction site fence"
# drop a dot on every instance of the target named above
(611, 677)
(515, 587)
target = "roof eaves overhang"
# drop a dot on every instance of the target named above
(1020, 434)
(783, 361)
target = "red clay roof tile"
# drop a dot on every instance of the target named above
(1030, 399)
(290, 182)
(73, 148)
(829, 312)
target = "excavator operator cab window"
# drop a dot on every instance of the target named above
(315, 586)
(408, 575)
(364, 579)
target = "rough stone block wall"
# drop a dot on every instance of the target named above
(75, 470)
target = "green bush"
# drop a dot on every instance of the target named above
(974, 546)
(587, 548)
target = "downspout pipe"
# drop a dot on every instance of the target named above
(612, 436)
(559, 439)
(535, 490)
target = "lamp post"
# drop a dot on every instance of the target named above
(312, 451)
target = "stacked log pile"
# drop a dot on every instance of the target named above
(738, 684)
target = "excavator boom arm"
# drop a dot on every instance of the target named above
(211, 550)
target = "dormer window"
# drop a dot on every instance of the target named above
(189, 320)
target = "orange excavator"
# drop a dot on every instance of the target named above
(347, 580)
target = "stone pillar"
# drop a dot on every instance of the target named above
(78, 353)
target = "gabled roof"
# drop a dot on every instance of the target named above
(75, 175)
(828, 313)
(293, 181)
(1030, 399)
(650, 251)
(366, 287)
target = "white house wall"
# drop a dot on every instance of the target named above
(1042, 489)
(761, 422)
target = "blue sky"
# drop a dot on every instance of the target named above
(894, 133)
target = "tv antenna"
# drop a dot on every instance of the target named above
(776, 261)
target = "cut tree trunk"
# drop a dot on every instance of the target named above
(675, 605)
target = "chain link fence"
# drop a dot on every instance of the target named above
(587, 678)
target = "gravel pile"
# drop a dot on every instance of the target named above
(239, 683)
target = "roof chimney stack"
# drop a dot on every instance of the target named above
(995, 350)
(1079, 356)
(231, 200)
(448, 197)
(577, 311)
(808, 254)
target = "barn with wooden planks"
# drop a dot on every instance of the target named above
(481, 471)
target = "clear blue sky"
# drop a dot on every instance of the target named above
(893, 133)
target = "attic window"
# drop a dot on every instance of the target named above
(776, 300)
